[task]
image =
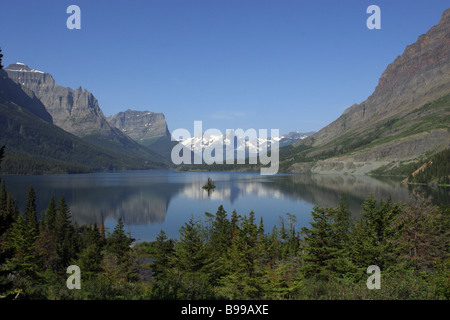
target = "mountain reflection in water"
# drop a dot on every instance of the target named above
(149, 201)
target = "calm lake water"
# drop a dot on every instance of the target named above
(153, 200)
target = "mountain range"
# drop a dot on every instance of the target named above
(34, 102)
(48, 128)
(242, 150)
(34, 144)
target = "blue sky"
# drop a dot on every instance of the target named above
(263, 64)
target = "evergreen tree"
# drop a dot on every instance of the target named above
(218, 245)
(371, 241)
(163, 255)
(65, 233)
(1, 66)
(50, 215)
(244, 262)
(3, 202)
(47, 249)
(220, 233)
(422, 236)
(119, 243)
(190, 250)
(341, 230)
(22, 242)
(91, 256)
(7, 217)
(290, 237)
(190, 265)
(30, 211)
(102, 231)
(234, 221)
(319, 245)
(274, 248)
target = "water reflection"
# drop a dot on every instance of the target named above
(145, 197)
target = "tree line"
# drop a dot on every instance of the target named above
(235, 258)
(434, 169)
(222, 256)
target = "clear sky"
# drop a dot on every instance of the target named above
(263, 64)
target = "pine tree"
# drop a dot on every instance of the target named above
(102, 231)
(371, 241)
(30, 211)
(220, 233)
(190, 263)
(163, 255)
(119, 243)
(319, 245)
(50, 215)
(218, 245)
(7, 217)
(3, 200)
(64, 233)
(190, 250)
(22, 242)
(244, 261)
(46, 244)
(422, 236)
(341, 229)
(91, 256)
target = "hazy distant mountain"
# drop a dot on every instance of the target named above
(76, 111)
(293, 136)
(406, 118)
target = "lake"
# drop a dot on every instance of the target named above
(153, 200)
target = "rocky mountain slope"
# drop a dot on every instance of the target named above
(406, 118)
(76, 111)
(143, 126)
(147, 128)
(33, 145)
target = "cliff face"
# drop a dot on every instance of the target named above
(420, 75)
(75, 111)
(12, 92)
(146, 128)
(34, 145)
(141, 126)
(406, 116)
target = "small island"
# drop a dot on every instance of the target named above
(209, 185)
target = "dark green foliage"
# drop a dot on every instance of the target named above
(7, 217)
(65, 235)
(2, 153)
(319, 246)
(119, 243)
(232, 257)
(372, 235)
(30, 211)
(164, 249)
(435, 169)
(209, 185)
